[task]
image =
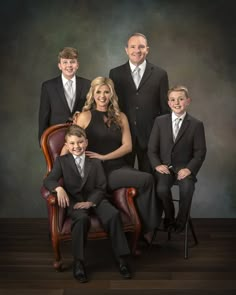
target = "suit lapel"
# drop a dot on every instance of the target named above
(183, 128)
(169, 132)
(61, 93)
(73, 165)
(128, 74)
(87, 167)
(78, 93)
(146, 74)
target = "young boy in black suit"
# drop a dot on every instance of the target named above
(176, 150)
(84, 187)
(64, 95)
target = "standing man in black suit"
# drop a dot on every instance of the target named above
(62, 96)
(177, 149)
(142, 91)
(84, 187)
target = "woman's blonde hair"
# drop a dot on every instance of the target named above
(113, 110)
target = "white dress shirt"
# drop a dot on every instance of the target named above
(142, 67)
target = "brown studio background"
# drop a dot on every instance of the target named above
(193, 40)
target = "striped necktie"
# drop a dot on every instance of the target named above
(176, 128)
(78, 164)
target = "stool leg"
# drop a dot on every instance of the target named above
(186, 240)
(193, 231)
(153, 237)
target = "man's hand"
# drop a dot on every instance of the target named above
(62, 197)
(83, 205)
(183, 173)
(163, 169)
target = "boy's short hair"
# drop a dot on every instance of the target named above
(178, 88)
(69, 53)
(75, 130)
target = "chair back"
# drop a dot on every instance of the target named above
(52, 142)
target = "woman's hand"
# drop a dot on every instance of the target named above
(75, 117)
(93, 155)
(64, 150)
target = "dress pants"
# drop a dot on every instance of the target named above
(142, 158)
(186, 190)
(111, 221)
(146, 201)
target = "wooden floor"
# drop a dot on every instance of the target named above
(26, 263)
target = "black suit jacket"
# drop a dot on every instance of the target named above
(89, 188)
(144, 104)
(53, 107)
(188, 150)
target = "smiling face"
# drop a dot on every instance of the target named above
(178, 102)
(102, 96)
(76, 145)
(137, 49)
(68, 67)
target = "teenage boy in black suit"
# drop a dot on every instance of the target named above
(141, 102)
(176, 149)
(84, 187)
(58, 103)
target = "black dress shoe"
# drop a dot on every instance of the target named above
(79, 271)
(124, 269)
(169, 225)
(179, 228)
(145, 241)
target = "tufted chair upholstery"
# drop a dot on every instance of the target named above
(52, 142)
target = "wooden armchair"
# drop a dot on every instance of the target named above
(52, 142)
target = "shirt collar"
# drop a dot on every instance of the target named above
(64, 80)
(174, 117)
(142, 66)
(82, 159)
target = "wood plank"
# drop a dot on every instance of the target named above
(26, 263)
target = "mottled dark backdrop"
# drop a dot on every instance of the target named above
(193, 40)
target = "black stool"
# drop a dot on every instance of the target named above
(188, 225)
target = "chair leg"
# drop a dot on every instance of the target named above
(134, 241)
(57, 253)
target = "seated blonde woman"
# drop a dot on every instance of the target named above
(109, 140)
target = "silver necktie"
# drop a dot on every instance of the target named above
(69, 94)
(78, 164)
(136, 76)
(176, 128)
